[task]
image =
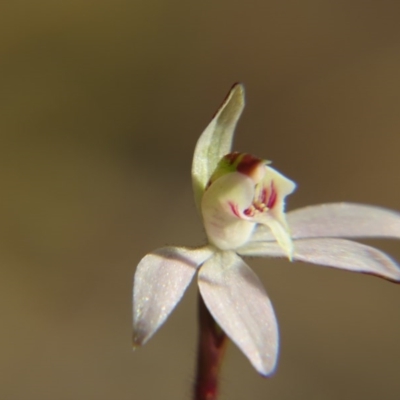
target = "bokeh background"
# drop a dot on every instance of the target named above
(101, 104)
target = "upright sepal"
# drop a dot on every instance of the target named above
(216, 140)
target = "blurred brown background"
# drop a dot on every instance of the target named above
(101, 105)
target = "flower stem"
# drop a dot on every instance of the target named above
(210, 352)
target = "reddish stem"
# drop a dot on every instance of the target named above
(210, 352)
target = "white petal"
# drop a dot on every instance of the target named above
(344, 220)
(337, 253)
(238, 302)
(216, 140)
(161, 279)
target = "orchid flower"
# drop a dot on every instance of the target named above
(241, 201)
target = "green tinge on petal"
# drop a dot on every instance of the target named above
(216, 140)
(279, 229)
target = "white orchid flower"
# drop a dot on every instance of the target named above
(241, 201)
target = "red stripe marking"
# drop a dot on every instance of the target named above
(234, 209)
(272, 197)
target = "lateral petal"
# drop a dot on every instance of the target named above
(344, 220)
(336, 253)
(238, 302)
(216, 140)
(160, 281)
